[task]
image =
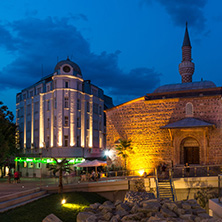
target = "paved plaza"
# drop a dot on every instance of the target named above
(7, 188)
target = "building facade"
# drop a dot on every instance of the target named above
(60, 116)
(179, 123)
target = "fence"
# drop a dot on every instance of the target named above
(196, 171)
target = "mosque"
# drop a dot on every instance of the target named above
(179, 123)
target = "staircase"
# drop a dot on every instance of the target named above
(165, 189)
(21, 198)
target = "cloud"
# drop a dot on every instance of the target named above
(38, 44)
(185, 10)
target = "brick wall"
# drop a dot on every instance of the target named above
(140, 121)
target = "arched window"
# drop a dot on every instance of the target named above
(189, 110)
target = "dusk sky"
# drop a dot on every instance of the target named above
(126, 47)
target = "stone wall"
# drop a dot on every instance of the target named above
(140, 121)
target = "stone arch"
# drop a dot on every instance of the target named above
(189, 151)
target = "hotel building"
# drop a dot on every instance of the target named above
(60, 116)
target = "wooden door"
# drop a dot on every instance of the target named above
(191, 155)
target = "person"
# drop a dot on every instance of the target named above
(16, 177)
(145, 174)
(164, 166)
(9, 176)
(187, 166)
(93, 175)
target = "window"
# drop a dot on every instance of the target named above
(95, 108)
(66, 121)
(87, 107)
(100, 126)
(78, 104)
(38, 165)
(78, 122)
(78, 86)
(36, 124)
(24, 96)
(48, 122)
(18, 113)
(54, 84)
(189, 109)
(95, 124)
(66, 84)
(78, 141)
(36, 107)
(28, 126)
(47, 141)
(55, 121)
(66, 141)
(38, 90)
(30, 165)
(22, 111)
(48, 105)
(29, 109)
(100, 110)
(55, 103)
(95, 92)
(87, 123)
(66, 105)
(48, 88)
(18, 99)
(31, 93)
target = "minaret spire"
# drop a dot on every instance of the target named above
(186, 67)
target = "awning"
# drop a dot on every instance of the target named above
(188, 122)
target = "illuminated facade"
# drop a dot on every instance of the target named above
(177, 122)
(62, 116)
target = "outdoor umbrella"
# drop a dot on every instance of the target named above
(96, 163)
(83, 164)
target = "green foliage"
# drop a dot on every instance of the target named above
(139, 185)
(60, 166)
(38, 210)
(124, 149)
(7, 135)
(203, 195)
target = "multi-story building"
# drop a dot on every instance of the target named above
(60, 116)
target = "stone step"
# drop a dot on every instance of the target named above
(160, 191)
(20, 199)
(19, 194)
(22, 203)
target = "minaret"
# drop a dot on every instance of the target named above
(186, 67)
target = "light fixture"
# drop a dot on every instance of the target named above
(141, 172)
(108, 153)
(63, 201)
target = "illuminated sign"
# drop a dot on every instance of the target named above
(48, 160)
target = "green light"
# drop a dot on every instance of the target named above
(47, 160)
(74, 206)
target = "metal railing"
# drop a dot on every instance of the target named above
(219, 187)
(157, 185)
(173, 190)
(196, 171)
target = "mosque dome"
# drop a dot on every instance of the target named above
(185, 86)
(67, 65)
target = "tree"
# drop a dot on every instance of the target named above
(124, 149)
(7, 136)
(60, 166)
